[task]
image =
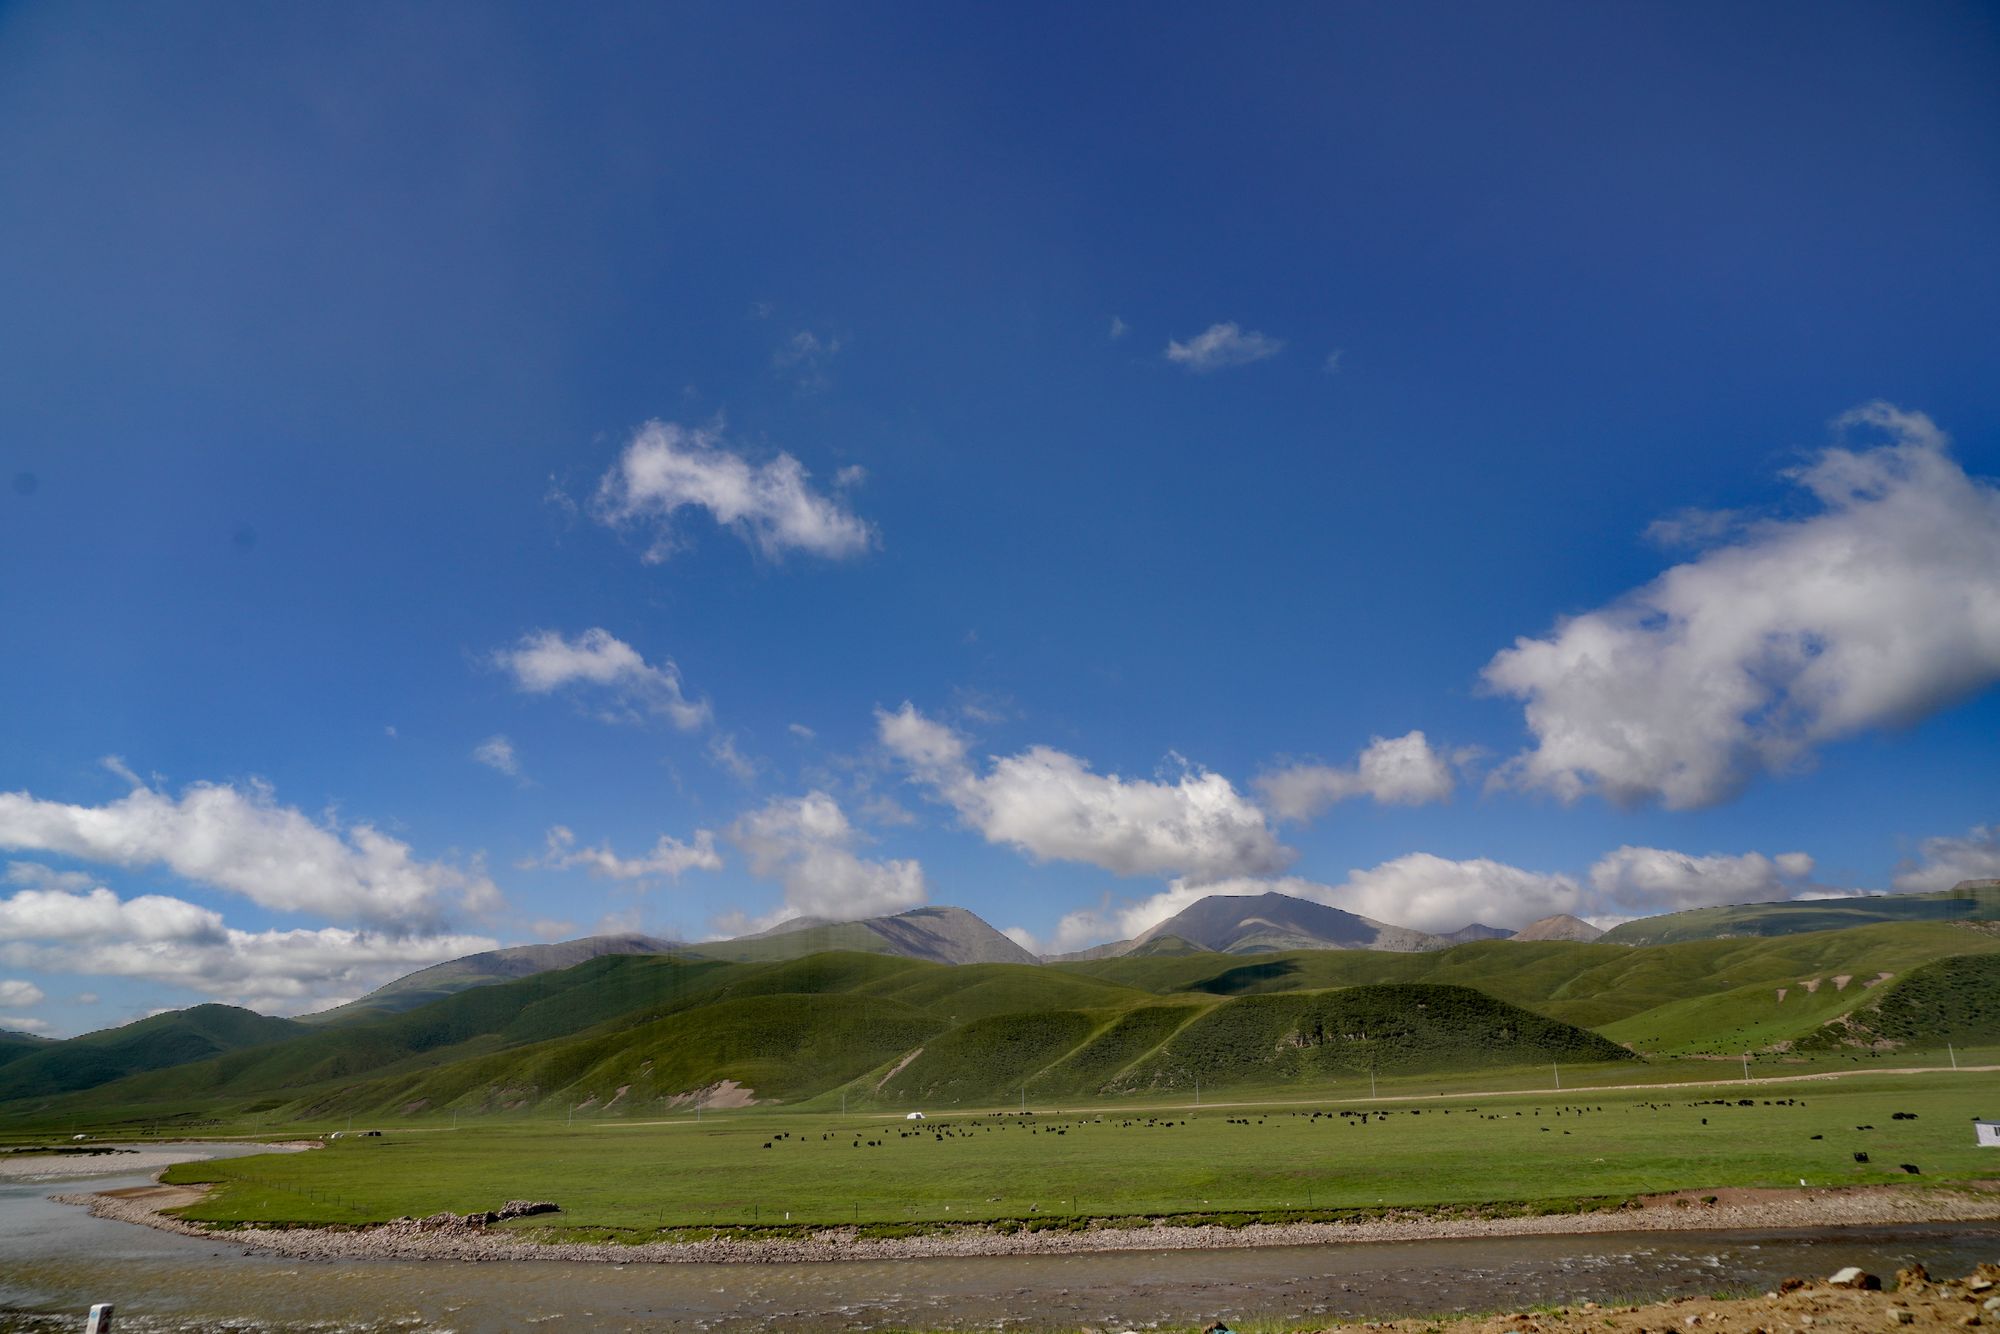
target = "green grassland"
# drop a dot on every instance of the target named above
(753, 1168)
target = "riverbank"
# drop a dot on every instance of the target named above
(446, 1238)
(1913, 1301)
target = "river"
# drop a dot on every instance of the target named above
(55, 1260)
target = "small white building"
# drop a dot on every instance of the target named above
(1988, 1133)
(914, 1116)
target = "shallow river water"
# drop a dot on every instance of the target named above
(55, 1260)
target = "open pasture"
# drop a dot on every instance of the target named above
(765, 1169)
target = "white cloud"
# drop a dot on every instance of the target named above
(722, 750)
(1642, 881)
(1878, 609)
(669, 856)
(1399, 771)
(808, 359)
(1023, 937)
(1222, 345)
(807, 845)
(1333, 359)
(1942, 862)
(667, 468)
(242, 841)
(1434, 893)
(15, 991)
(545, 662)
(1119, 328)
(497, 752)
(22, 1023)
(169, 940)
(801, 731)
(1049, 805)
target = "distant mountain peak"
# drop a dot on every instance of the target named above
(939, 933)
(1274, 921)
(1560, 926)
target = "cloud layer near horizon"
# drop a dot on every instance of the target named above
(241, 840)
(59, 921)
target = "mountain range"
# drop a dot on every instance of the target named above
(812, 1007)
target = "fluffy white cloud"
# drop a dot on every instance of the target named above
(669, 857)
(15, 991)
(667, 468)
(1434, 893)
(1399, 771)
(1879, 608)
(1638, 881)
(497, 752)
(241, 840)
(807, 845)
(546, 661)
(1049, 805)
(1222, 345)
(1942, 862)
(169, 940)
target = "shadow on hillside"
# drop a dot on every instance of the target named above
(1236, 981)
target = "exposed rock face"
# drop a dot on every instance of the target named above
(1562, 926)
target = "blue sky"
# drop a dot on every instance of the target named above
(478, 475)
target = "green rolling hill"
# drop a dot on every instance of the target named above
(13, 1045)
(479, 970)
(1969, 900)
(175, 1038)
(634, 1034)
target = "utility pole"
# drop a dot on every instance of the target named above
(1557, 1067)
(1197, 1090)
(1371, 1081)
(1953, 1052)
(1746, 1066)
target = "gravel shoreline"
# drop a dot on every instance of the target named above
(1682, 1211)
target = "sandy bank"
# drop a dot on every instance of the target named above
(1916, 1303)
(1683, 1211)
(117, 1158)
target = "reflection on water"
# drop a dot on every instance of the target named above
(55, 1260)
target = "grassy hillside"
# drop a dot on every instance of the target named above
(150, 1044)
(1726, 989)
(13, 1045)
(1970, 900)
(1308, 1037)
(1954, 1000)
(479, 970)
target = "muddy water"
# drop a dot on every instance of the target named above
(55, 1260)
